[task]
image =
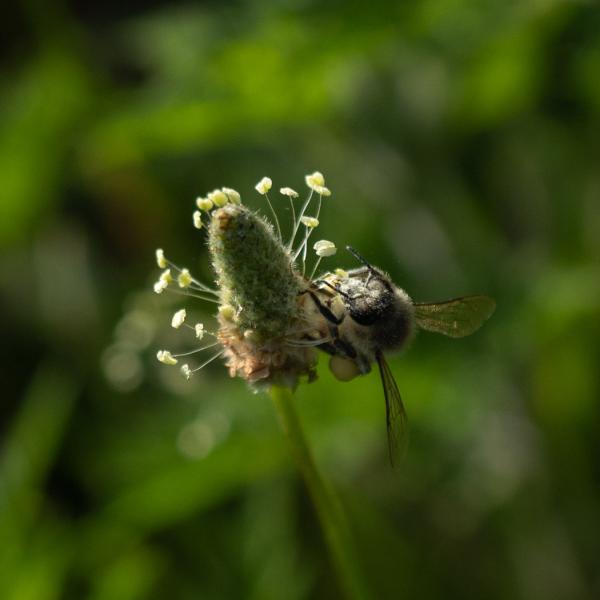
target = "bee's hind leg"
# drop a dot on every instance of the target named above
(337, 346)
(343, 348)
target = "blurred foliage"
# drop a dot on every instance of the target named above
(460, 140)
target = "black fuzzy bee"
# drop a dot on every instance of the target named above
(368, 316)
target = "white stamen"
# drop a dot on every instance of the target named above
(204, 203)
(297, 223)
(161, 261)
(234, 197)
(324, 248)
(208, 361)
(309, 222)
(160, 286)
(178, 319)
(287, 191)
(165, 357)
(264, 185)
(196, 350)
(184, 279)
(322, 190)
(184, 273)
(315, 180)
(274, 215)
(192, 295)
(218, 198)
(163, 281)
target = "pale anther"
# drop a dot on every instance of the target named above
(204, 204)
(184, 279)
(164, 356)
(161, 261)
(197, 216)
(287, 191)
(263, 186)
(178, 319)
(310, 222)
(315, 180)
(324, 248)
(218, 198)
(233, 195)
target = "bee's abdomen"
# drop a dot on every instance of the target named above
(393, 333)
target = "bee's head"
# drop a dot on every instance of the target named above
(374, 301)
(367, 293)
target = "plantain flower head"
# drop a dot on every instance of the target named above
(266, 330)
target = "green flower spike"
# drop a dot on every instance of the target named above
(268, 328)
(255, 277)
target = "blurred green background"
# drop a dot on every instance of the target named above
(461, 142)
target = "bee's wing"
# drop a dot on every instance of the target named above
(395, 415)
(457, 317)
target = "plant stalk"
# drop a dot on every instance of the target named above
(330, 512)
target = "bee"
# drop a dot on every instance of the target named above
(367, 316)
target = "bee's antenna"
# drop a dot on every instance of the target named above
(360, 258)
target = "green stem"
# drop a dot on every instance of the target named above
(329, 509)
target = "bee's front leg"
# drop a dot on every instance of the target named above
(324, 310)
